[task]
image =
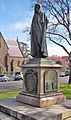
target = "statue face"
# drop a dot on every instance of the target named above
(38, 8)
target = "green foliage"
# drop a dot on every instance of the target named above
(9, 94)
(66, 90)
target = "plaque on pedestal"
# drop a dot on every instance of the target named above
(30, 81)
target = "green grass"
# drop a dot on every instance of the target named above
(9, 94)
(66, 90)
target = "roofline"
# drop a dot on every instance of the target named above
(4, 40)
(16, 56)
(19, 47)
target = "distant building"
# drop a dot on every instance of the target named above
(15, 56)
(3, 54)
(10, 55)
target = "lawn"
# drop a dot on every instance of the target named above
(64, 88)
(9, 94)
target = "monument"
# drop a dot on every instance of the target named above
(38, 33)
(41, 76)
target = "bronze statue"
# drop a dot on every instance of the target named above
(38, 33)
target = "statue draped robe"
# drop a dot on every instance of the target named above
(38, 35)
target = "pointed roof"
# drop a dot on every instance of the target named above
(14, 50)
(3, 39)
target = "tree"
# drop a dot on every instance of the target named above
(60, 60)
(24, 49)
(59, 28)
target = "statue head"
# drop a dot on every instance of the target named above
(38, 8)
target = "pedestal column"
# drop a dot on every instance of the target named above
(40, 85)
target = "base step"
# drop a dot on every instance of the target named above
(23, 111)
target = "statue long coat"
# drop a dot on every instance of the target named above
(38, 35)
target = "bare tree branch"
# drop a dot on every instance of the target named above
(59, 45)
(60, 36)
(60, 28)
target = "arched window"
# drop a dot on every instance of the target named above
(1, 69)
(23, 62)
(12, 62)
(18, 63)
(5, 61)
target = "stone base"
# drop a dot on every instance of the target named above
(22, 111)
(41, 101)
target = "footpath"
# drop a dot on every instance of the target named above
(10, 109)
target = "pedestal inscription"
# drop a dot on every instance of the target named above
(50, 82)
(30, 81)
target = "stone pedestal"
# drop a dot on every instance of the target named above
(40, 84)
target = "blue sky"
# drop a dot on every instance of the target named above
(15, 15)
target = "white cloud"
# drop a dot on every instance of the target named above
(56, 50)
(12, 30)
(21, 25)
(15, 26)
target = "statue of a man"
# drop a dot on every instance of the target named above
(38, 33)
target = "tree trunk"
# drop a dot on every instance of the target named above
(70, 68)
(70, 77)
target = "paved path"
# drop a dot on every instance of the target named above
(4, 86)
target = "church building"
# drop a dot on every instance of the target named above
(11, 57)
